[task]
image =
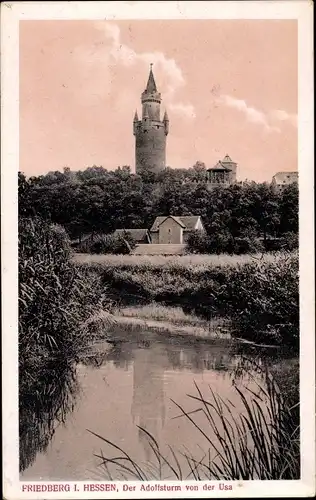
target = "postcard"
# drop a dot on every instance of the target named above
(158, 285)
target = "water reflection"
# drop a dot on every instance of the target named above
(148, 407)
(45, 400)
(127, 386)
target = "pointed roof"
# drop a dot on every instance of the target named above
(151, 84)
(227, 158)
(136, 116)
(187, 222)
(165, 117)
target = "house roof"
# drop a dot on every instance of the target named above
(137, 234)
(220, 166)
(285, 177)
(187, 222)
(227, 159)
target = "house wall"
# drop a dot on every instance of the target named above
(155, 238)
(170, 232)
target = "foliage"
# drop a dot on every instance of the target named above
(263, 299)
(55, 297)
(99, 201)
(108, 244)
(222, 242)
(259, 293)
(259, 442)
(46, 397)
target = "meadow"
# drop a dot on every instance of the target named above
(198, 261)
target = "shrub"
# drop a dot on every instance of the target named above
(55, 297)
(223, 242)
(247, 245)
(107, 244)
(288, 242)
(263, 300)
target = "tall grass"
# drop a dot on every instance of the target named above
(159, 312)
(55, 298)
(46, 398)
(259, 293)
(260, 442)
(178, 262)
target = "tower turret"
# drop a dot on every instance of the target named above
(135, 122)
(150, 131)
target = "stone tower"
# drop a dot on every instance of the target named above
(150, 132)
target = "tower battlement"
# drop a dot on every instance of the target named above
(150, 132)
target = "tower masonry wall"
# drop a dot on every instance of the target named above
(150, 146)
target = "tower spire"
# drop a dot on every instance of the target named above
(151, 84)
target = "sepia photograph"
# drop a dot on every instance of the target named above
(159, 190)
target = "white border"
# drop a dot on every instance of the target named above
(11, 14)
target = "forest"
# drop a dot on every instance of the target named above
(99, 201)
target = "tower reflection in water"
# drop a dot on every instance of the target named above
(149, 382)
(148, 407)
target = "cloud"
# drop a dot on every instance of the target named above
(283, 116)
(183, 109)
(253, 115)
(172, 74)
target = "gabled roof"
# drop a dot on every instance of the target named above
(285, 177)
(137, 234)
(220, 167)
(187, 222)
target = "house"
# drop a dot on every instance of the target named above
(172, 230)
(138, 235)
(283, 179)
(222, 174)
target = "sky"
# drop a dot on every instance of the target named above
(229, 86)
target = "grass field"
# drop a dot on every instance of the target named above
(180, 261)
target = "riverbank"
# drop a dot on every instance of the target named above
(258, 293)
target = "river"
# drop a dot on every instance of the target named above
(135, 383)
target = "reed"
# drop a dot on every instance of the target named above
(260, 442)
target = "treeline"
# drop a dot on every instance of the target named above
(99, 201)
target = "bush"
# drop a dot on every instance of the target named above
(222, 242)
(288, 242)
(247, 245)
(263, 300)
(107, 243)
(55, 297)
